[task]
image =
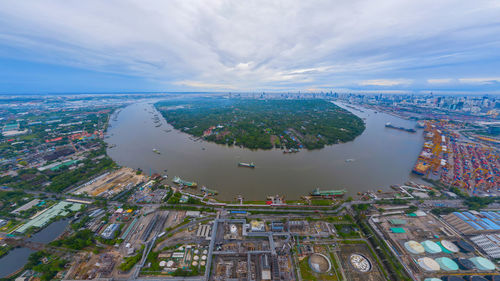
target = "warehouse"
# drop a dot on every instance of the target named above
(473, 222)
(489, 243)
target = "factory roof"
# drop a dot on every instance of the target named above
(481, 221)
(44, 217)
(397, 221)
(398, 230)
(489, 243)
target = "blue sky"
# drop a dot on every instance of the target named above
(124, 46)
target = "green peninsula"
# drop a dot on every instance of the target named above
(263, 124)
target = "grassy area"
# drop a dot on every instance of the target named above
(4, 250)
(389, 261)
(309, 275)
(129, 262)
(346, 230)
(321, 202)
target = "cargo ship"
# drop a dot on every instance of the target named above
(389, 125)
(209, 191)
(179, 181)
(328, 193)
(248, 165)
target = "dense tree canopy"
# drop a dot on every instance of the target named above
(264, 124)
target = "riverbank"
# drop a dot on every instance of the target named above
(379, 158)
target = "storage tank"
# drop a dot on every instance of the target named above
(447, 264)
(475, 278)
(163, 263)
(452, 278)
(465, 264)
(431, 247)
(464, 246)
(450, 246)
(482, 263)
(428, 264)
(233, 229)
(414, 247)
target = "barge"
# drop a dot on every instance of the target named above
(328, 193)
(182, 182)
(409, 130)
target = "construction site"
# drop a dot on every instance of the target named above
(135, 232)
(111, 183)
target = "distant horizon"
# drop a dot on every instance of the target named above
(421, 93)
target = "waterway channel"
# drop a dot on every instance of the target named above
(376, 159)
(18, 257)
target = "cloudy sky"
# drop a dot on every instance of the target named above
(147, 45)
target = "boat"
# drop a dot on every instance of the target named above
(156, 151)
(158, 125)
(248, 165)
(349, 160)
(328, 193)
(180, 181)
(209, 191)
(389, 125)
(291, 150)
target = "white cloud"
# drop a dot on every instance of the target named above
(254, 44)
(439, 81)
(481, 81)
(385, 82)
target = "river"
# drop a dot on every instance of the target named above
(18, 257)
(381, 157)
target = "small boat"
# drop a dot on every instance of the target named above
(291, 150)
(156, 151)
(349, 160)
(209, 191)
(248, 165)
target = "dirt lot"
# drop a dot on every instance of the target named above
(112, 183)
(375, 274)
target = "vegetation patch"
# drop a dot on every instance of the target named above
(263, 124)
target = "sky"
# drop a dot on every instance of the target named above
(58, 46)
